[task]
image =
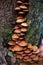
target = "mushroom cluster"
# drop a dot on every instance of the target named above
(23, 49)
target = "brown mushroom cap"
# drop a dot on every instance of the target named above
(22, 34)
(21, 12)
(16, 27)
(36, 52)
(19, 17)
(15, 36)
(11, 48)
(23, 29)
(16, 48)
(34, 48)
(20, 20)
(29, 54)
(21, 38)
(26, 57)
(24, 54)
(25, 3)
(17, 8)
(32, 56)
(19, 56)
(28, 60)
(23, 7)
(27, 51)
(30, 46)
(23, 43)
(35, 58)
(24, 24)
(19, 2)
(11, 43)
(17, 31)
(26, 10)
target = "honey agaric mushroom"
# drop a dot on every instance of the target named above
(23, 29)
(34, 48)
(19, 17)
(20, 20)
(36, 52)
(15, 36)
(21, 38)
(23, 7)
(25, 10)
(16, 27)
(35, 58)
(26, 57)
(19, 2)
(11, 43)
(17, 31)
(25, 3)
(24, 50)
(27, 51)
(29, 45)
(24, 54)
(16, 48)
(22, 34)
(17, 8)
(23, 43)
(19, 56)
(32, 56)
(24, 24)
(29, 54)
(21, 12)
(28, 60)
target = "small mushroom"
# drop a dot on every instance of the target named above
(26, 57)
(23, 29)
(11, 48)
(20, 17)
(35, 58)
(20, 20)
(22, 34)
(30, 46)
(25, 3)
(29, 54)
(19, 56)
(24, 24)
(36, 52)
(28, 60)
(17, 8)
(19, 2)
(40, 59)
(24, 54)
(17, 31)
(16, 48)
(23, 7)
(25, 10)
(11, 43)
(23, 43)
(15, 36)
(27, 51)
(34, 48)
(21, 38)
(21, 13)
(32, 56)
(16, 27)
